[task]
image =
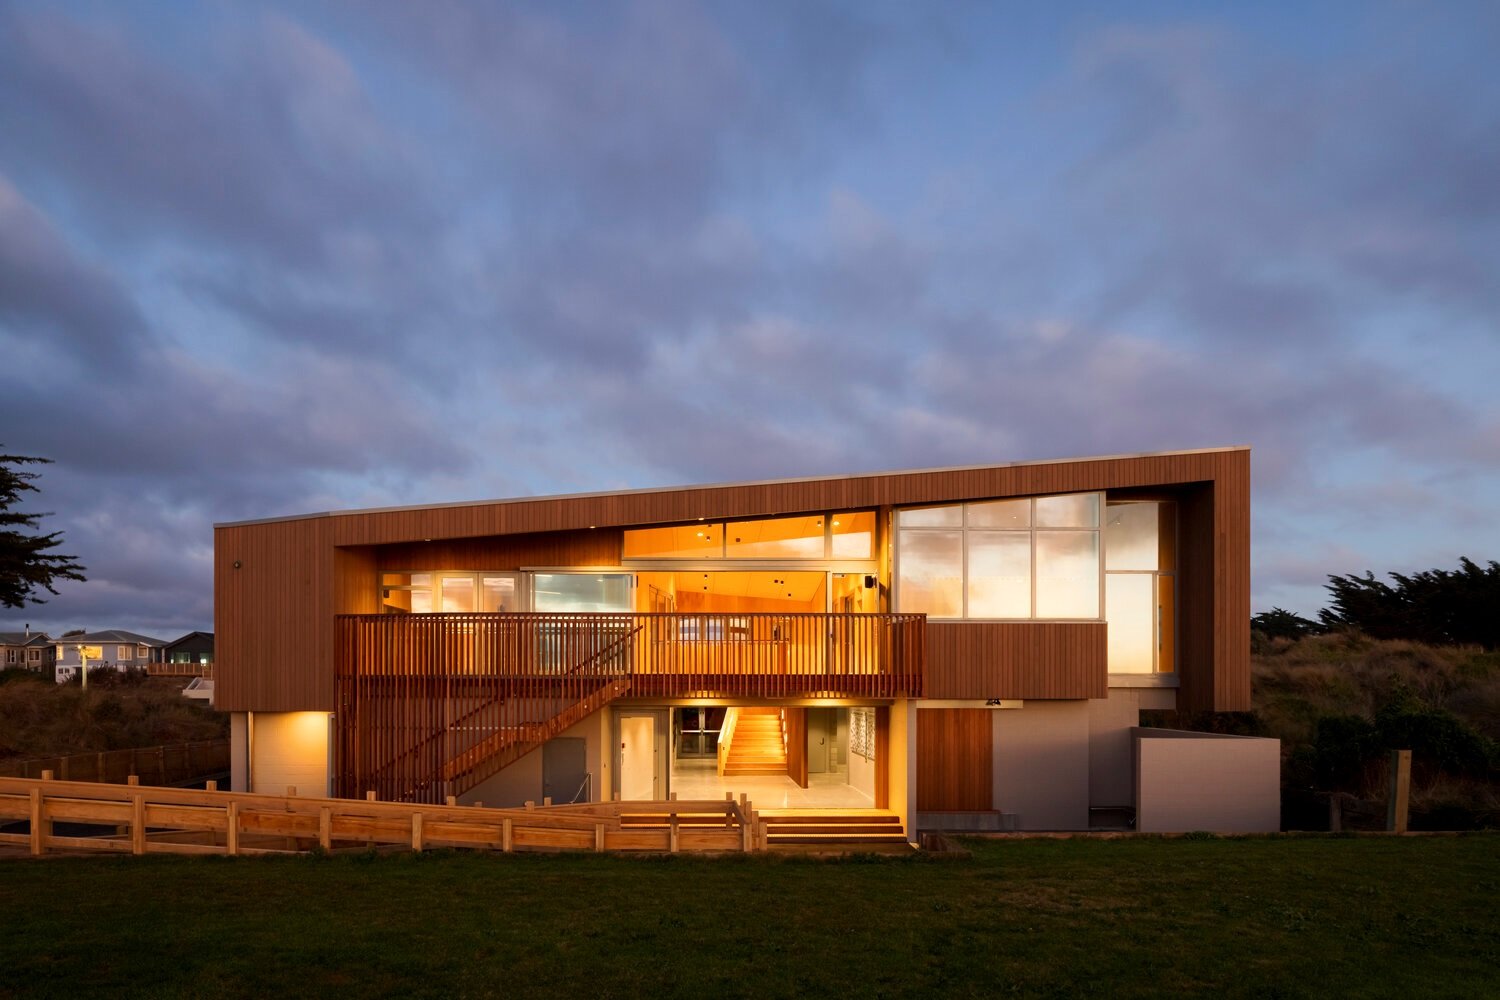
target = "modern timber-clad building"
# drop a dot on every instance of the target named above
(963, 648)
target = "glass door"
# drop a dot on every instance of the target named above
(698, 731)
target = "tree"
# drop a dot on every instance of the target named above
(1279, 623)
(1441, 607)
(27, 563)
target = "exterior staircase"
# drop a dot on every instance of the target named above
(758, 745)
(833, 830)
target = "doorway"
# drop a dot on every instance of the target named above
(697, 730)
(639, 766)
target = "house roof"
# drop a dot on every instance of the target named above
(728, 485)
(191, 635)
(117, 635)
(24, 639)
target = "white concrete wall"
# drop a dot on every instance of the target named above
(902, 786)
(289, 750)
(862, 774)
(1111, 750)
(1204, 781)
(1041, 770)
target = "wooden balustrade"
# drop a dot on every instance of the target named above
(179, 669)
(137, 819)
(431, 704)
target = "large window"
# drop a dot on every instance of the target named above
(1140, 586)
(1008, 559)
(844, 535)
(465, 592)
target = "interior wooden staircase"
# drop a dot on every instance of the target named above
(833, 830)
(758, 746)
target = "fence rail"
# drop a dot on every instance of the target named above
(172, 764)
(136, 819)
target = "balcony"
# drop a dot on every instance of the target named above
(430, 704)
(661, 654)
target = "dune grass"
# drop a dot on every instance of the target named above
(1275, 917)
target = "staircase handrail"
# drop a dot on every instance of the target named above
(726, 736)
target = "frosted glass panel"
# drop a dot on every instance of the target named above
(1000, 514)
(1131, 611)
(931, 573)
(781, 537)
(581, 592)
(1130, 536)
(854, 535)
(999, 574)
(1067, 574)
(1078, 510)
(498, 593)
(931, 517)
(457, 593)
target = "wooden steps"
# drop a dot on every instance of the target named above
(833, 830)
(757, 746)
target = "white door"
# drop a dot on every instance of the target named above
(638, 757)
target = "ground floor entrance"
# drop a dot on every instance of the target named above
(778, 756)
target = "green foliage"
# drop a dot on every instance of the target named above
(46, 719)
(1442, 607)
(1279, 623)
(27, 562)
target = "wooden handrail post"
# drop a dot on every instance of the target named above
(133, 779)
(599, 837)
(38, 842)
(47, 775)
(1400, 795)
(325, 828)
(232, 829)
(369, 796)
(416, 832)
(507, 844)
(211, 785)
(672, 834)
(138, 824)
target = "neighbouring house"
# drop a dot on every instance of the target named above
(962, 648)
(28, 649)
(193, 649)
(192, 656)
(115, 648)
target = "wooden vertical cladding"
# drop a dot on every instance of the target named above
(796, 745)
(1016, 660)
(1213, 590)
(883, 757)
(274, 614)
(955, 760)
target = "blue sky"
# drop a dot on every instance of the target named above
(259, 259)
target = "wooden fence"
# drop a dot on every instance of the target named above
(173, 764)
(136, 819)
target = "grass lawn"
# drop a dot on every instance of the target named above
(1278, 917)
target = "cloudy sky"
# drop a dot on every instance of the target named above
(259, 259)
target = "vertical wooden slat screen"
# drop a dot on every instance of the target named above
(431, 704)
